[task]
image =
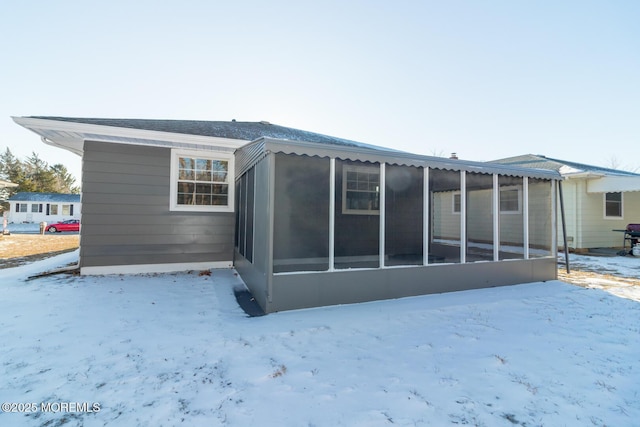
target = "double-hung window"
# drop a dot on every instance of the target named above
(456, 206)
(510, 200)
(201, 181)
(361, 190)
(613, 205)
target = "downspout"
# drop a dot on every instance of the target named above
(564, 227)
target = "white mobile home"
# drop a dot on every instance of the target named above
(28, 207)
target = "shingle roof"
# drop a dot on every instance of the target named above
(44, 197)
(536, 161)
(248, 131)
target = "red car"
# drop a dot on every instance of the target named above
(68, 225)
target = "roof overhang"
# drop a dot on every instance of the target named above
(71, 136)
(613, 184)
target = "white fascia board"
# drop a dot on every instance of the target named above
(71, 135)
(613, 184)
(154, 268)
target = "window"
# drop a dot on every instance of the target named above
(66, 210)
(21, 207)
(510, 200)
(53, 210)
(201, 181)
(36, 208)
(456, 203)
(613, 205)
(361, 190)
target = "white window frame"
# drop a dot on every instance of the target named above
(22, 207)
(604, 205)
(52, 207)
(208, 155)
(363, 169)
(66, 210)
(454, 195)
(511, 188)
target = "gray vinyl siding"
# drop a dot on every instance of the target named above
(126, 218)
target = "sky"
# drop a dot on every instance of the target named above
(484, 79)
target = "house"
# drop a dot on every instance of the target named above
(47, 207)
(306, 219)
(597, 200)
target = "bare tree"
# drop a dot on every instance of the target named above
(615, 163)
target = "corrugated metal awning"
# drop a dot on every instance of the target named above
(613, 184)
(249, 154)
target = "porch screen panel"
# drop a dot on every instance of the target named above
(444, 187)
(479, 219)
(237, 215)
(250, 176)
(357, 215)
(511, 217)
(403, 215)
(301, 214)
(242, 215)
(540, 218)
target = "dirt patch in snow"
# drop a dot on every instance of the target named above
(18, 249)
(584, 278)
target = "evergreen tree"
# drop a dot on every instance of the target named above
(35, 175)
(65, 182)
(40, 174)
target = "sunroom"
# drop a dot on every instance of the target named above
(320, 224)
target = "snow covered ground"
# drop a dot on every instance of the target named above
(621, 274)
(175, 349)
(24, 228)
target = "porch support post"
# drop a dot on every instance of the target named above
(463, 217)
(564, 227)
(382, 202)
(271, 212)
(425, 215)
(496, 218)
(525, 216)
(332, 212)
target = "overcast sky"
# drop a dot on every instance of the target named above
(485, 79)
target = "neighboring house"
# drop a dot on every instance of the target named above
(47, 207)
(597, 200)
(306, 219)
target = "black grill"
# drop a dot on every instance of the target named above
(631, 235)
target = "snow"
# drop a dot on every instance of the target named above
(24, 228)
(569, 170)
(624, 273)
(175, 349)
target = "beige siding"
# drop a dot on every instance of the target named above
(446, 224)
(587, 226)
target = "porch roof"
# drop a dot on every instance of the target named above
(251, 153)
